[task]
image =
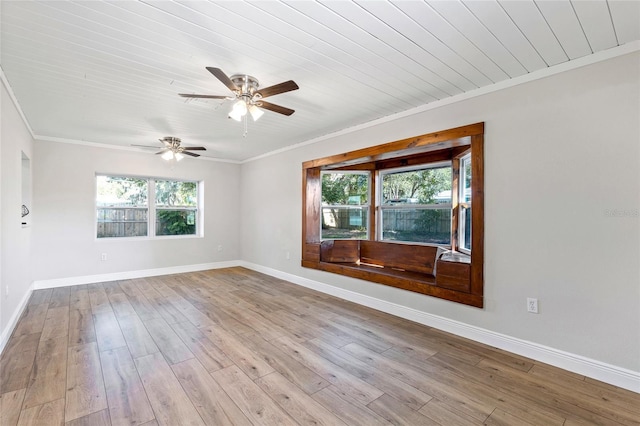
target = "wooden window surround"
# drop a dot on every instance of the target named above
(402, 265)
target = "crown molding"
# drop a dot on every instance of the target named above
(118, 147)
(12, 95)
(594, 58)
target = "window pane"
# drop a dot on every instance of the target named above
(116, 202)
(344, 223)
(464, 231)
(465, 196)
(426, 186)
(171, 193)
(466, 227)
(175, 222)
(431, 226)
(121, 222)
(121, 192)
(345, 188)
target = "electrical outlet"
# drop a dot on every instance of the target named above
(220, 247)
(288, 255)
(532, 305)
(103, 257)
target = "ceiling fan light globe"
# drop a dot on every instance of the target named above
(179, 156)
(256, 112)
(240, 107)
(167, 155)
(235, 115)
(239, 110)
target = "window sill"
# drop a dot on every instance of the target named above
(406, 280)
(157, 238)
(409, 267)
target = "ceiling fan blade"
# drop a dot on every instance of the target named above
(162, 151)
(194, 148)
(145, 146)
(275, 108)
(220, 75)
(287, 86)
(190, 153)
(187, 95)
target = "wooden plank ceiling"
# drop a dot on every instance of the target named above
(109, 71)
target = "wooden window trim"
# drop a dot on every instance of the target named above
(449, 144)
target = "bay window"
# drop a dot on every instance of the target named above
(387, 214)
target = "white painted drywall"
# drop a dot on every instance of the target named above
(65, 243)
(15, 240)
(561, 153)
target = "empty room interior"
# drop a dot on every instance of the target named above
(320, 212)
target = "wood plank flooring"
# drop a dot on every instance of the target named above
(235, 347)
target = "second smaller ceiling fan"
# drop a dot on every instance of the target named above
(174, 150)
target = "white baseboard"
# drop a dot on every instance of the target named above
(604, 372)
(128, 275)
(6, 333)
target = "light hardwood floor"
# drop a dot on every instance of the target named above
(233, 346)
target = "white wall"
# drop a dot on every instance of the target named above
(65, 244)
(559, 153)
(15, 241)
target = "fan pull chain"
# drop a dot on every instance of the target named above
(246, 127)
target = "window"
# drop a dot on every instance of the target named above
(345, 205)
(415, 204)
(139, 207)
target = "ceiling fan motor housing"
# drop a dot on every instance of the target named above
(171, 141)
(247, 84)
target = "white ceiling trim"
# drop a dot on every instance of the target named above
(594, 58)
(12, 95)
(119, 147)
(536, 75)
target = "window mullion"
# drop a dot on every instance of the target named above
(151, 196)
(463, 205)
(455, 203)
(373, 202)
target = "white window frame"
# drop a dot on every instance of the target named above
(362, 207)
(463, 205)
(151, 209)
(380, 207)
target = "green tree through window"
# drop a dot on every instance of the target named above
(345, 200)
(175, 207)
